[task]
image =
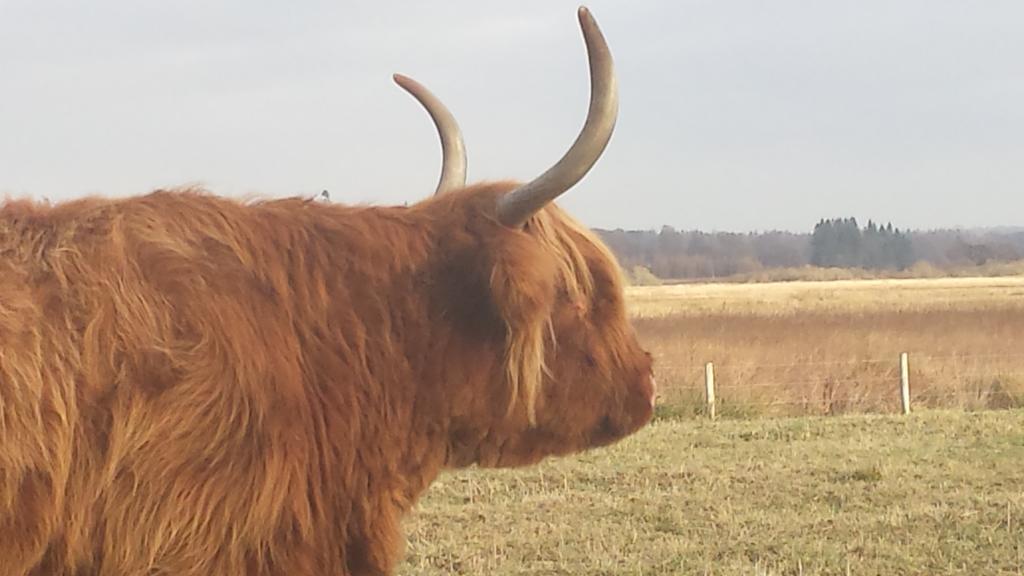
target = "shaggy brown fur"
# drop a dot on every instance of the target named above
(192, 385)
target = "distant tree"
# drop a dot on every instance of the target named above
(902, 251)
(823, 244)
(837, 243)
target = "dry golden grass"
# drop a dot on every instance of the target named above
(839, 296)
(830, 347)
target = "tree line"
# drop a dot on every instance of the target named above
(833, 243)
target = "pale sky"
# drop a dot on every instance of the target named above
(734, 115)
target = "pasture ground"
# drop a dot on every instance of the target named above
(940, 492)
(838, 486)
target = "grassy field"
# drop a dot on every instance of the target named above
(833, 347)
(940, 492)
(842, 487)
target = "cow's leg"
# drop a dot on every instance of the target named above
(375, 539)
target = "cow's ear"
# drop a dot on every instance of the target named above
(522, 280)
(523, 289)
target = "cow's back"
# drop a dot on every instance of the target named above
(156, 406)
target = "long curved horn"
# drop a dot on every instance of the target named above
(516, 207)
(453, 151)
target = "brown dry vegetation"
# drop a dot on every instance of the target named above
(833, 347)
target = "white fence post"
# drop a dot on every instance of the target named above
(905, 382)
(709, 386)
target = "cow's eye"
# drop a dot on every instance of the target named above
(589, 360)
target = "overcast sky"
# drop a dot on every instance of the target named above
(734, 115)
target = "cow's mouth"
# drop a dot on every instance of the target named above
(605, 432)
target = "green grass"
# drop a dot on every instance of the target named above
(932, 493)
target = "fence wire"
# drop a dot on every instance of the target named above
(934, 380)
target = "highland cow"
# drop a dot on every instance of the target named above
(195, 385)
